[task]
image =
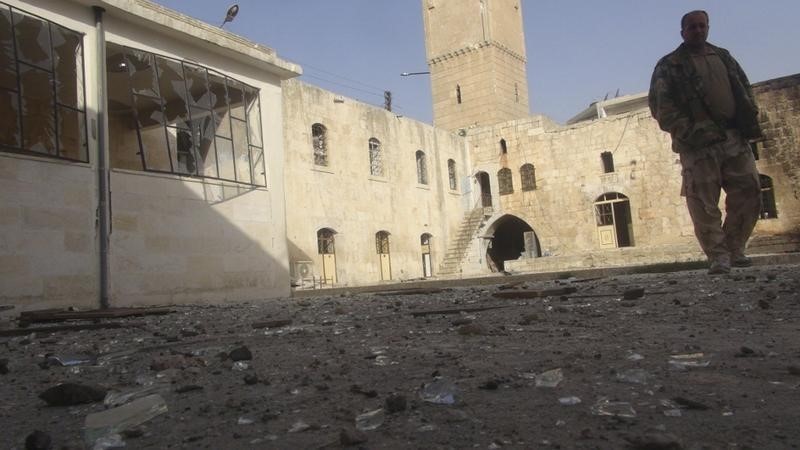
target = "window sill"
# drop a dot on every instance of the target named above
(323, 169)
(423, 187)
(377, 179)
(44, 159)
(188, 178)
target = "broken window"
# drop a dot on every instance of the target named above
(503, 147)
(451, 174)
(608, 162)
(42, 99)
(422, 168)
(173, 116)
(528, 175)
(768, 208)
(319, 138)
(504, 182)
(375, 158)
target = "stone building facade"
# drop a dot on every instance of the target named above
(132, 158)
(149, 158)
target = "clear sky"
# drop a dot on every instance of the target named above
(579, 51)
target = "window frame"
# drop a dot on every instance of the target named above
(238, 117)
(51, 69)
(505, 181)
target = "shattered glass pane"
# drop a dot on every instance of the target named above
(141, 66)
(33, 40)
(8, 71)
(181, 147)
(38, 121)
(173, 92)
(151, 131)
(225, 159)
(9, 119)
(253, 116)
(219, 102)
(207, 164)
(68, 57)
(72, 134)
(148, 111)
(124, 149)
(236, 99)
(241, 151)
(259, 170)
(198, 88)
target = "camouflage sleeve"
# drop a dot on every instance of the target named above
(663, 106)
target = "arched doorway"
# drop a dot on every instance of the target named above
(512, 238)
(486, 189)
(327, 251)
(613, 214)
(425, 244)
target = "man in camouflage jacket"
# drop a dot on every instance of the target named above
(702, 97)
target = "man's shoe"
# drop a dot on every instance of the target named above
(742, 261)
(720, 266)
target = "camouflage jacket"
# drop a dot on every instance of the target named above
(677, 102)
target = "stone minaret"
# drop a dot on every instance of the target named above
(476, 56)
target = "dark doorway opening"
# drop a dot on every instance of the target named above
(486, 189)
(508, 243)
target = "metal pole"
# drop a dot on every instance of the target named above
(102, 157)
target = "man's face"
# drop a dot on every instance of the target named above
(695, 30)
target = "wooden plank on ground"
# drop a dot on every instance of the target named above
(535, 293)
(59, 328)
(456, 310)
(50, 315)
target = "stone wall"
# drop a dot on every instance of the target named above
(779, 103)
(344, 197)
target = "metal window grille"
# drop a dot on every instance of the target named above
(319, 136)
(375, 158)
(528, 175)
(504, 181)
(422, 168)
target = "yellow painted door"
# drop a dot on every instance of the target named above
(329, 268)
(607, 235)
(386, 266)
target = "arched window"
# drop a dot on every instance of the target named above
(375, 158)
(528, 175)
(319, 138)
(325, 241)
(422, 168)
(504, 181)
(768, 208)
(503, 147)
(451, 174)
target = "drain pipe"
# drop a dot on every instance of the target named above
(102, 156)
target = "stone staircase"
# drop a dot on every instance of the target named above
(782, 243)
(472, 222)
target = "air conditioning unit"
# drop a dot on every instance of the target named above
(302, 270)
